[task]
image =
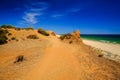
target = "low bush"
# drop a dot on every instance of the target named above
(70, 42)
(3, 38)
(29, 28)
(13, 38)
(43, 32)
(9, 34)
(100, 55)
(19, 58)
(3, 31)
(66, 36)
(62, 37)
(32, 37)
(18, 29)
(7, 26)
(3, 41)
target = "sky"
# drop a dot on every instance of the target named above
(63, 16)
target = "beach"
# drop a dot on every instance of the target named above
(113, 48)
(109, 50)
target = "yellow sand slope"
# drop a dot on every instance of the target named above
(49, 58)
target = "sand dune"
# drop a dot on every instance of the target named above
(49, 58)
(63, 62)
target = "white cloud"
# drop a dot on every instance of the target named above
(31, 17)
(33, 10)
(37, 9)
(67, 12)
(57, 15)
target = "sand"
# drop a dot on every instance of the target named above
(112, 48)
(49, 58)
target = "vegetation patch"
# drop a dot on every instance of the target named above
(70, 42)
(100, 55)
(19, 58)
(9, 34)
(3, 38)
(8, 26)
(66, 36)
(32, 37)
(43, 32)
(29, 28)
(13, 38)
(18, 29)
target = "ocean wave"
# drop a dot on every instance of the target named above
(105, 41)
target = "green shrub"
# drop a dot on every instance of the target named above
(66, 36)
(19, 58)
(29, 28)
(100, 55)
(3, 41)
(32, 37)
(9, 34)
(7, 26)
(13, 38)
(62, 37)
(3, 31)
(3, 38)
(18, 29)
(43, 32)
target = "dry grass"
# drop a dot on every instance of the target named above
(3, 37)
(43, 32)
(32, 37)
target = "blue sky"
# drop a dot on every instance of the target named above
(63, 16)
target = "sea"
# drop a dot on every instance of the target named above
(115, 39)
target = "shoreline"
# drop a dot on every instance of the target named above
(103, 41)
(108, 50)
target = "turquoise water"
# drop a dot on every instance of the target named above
(103, 38)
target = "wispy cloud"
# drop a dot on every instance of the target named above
(33, 11)
(31, 17)
(37, 9)
(67, 12)
(57, 15)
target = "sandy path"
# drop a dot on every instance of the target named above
(113, 48)
(57, 64)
